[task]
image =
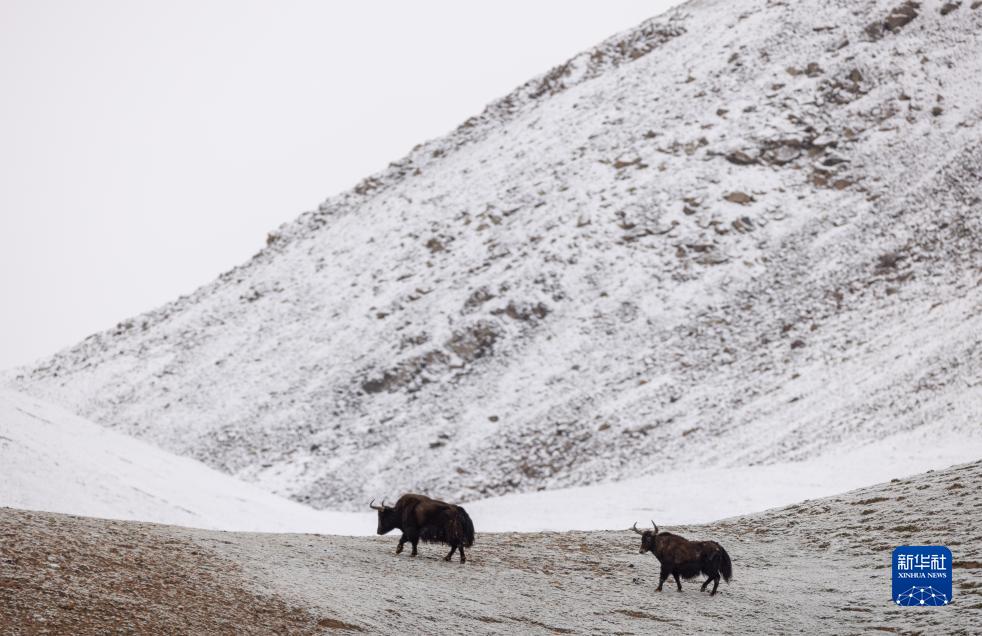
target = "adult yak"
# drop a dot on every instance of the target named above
(429, 520)
(683, 558)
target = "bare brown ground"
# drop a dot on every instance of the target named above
(72, 575)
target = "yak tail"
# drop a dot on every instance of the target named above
(726, 567)
(466, 527)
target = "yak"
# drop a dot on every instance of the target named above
(683, 558)
(429, 520)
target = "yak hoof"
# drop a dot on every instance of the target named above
(446, 558)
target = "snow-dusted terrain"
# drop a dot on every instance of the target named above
(690, 495)
(745, 233)
(819, 567)
(55, 461)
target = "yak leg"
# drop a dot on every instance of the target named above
(453, 548)
(415, 541)
(661, 579)
(677, 581)
(705, 583)
(714, 566)
(463, 559)
(402, 540)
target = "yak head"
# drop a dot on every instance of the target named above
(388, 519)
(647, 538)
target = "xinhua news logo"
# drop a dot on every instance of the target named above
(921, 575)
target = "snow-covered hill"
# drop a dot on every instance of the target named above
(55, 461)
(745, 232)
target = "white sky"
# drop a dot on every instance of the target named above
(145, 147)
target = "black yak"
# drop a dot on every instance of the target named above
(683, 558)
(422, 518)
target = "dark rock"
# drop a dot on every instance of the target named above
(950, 6)
(368, 185)
(713, 257)
(902, 16)
(782, 154)
(834, 160)
(435, 245)
(741, 198)
(621, 164)
(895, 20)
(699, 247)
(477, 298)
(469, 344)
(474, 342)
(740, 158)
(524, 311)
(743, 224)
(888, 261)
(635, 233)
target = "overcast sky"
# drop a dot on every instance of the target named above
(146, 147)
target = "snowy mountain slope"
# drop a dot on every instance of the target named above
(688, 494)
(744, 232)
(54, 461)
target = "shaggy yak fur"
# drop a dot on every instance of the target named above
(686, 559)
(421, 518)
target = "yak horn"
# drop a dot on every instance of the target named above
(655, 525)
(635, 528)
(374, 507)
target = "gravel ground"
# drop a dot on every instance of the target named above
(822, 566)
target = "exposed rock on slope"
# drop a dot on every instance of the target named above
(821, 566)
(742, 232)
